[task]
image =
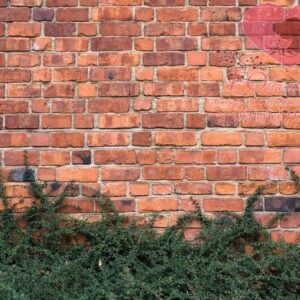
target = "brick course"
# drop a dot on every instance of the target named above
(152, 101)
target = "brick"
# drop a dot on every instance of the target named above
(177, 74)
(105, 74)
(140, 104)
(163, 172)
(224, 188)
(111, 44)
(222, 58)
(55, 158)
(71, 44)
(58, 3)
(23, 60)
(161, 189)
(68, 106)
(87, 60)
(14, 139)
(29, 3)
(176, 44)
(24, 30)
(217, 14)
(119, 121)
(115, 157)
(226, 173)
(84, 121)
(87, 90)
(139, 189)
(261, 120)
(211, 74)
(56, 121)
(260, 156)
(223, 204)
(112, 14)
(10, 107)
(58, 60)
(113, 189)
(161, 59)
(177, 105)
(24, 91)
(157, 204)
(41, 44)
(176, 14)
(76, 174)
(193, 188)
(43, 14)
(60, 29)
(17, 158)
(194, 173)
(118, 59)
(118, 89)
(227, 156)
(196, 58)
(195, 121)
(22, 122)
(164, 2)
(291, 121)
(224, 138)
(14, 14)
(120, 29)
(175, 138)
(142, 139)
(197, 29)
(70, 74)
(144, 44)
(87, 29)
(216, 29)
(223, 120)
(107, 139)
(81, 157)
(286, 139)
(144, 74)
(203, 89)
(66, 139)
(72, 14)
(146, 157)
(109, 106)
(14, 44)
(291, 156)
(120, 174)
(59, 91)
(162, 121)
(195, 157)
(281, 204)
(144, 14)
(163, 89)
(224, 105)
(161, 29)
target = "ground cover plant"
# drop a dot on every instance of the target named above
(231, 258)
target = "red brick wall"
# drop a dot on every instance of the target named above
(153, 101)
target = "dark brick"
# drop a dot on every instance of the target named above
(60, 29)
(20, 175)
(282, 204)
(43, 14)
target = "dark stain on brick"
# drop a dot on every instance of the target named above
(17, 175)
(55, 185)
(72, 190)
(82, 157)
(282, 204)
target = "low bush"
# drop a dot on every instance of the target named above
(231, 258)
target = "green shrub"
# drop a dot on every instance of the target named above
(114, 259)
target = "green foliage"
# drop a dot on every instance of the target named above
(57, 259)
